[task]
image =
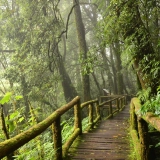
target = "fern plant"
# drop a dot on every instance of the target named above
(151, 104)
(30, 151)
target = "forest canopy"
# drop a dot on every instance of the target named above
(53, 50)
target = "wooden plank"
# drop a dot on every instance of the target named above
(107, 142)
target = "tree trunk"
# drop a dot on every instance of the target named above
(115, 90)
(97, 84)
(82, 48)
(111, 86)
(68, 88)
(118, 62)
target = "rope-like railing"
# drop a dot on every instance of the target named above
(9, 146)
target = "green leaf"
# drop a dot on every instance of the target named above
(21, 119)
(11, 125)
(158, 144)
(18, 97)
(6, 98)
(14, 115)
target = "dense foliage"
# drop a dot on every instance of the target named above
(134, 25)
(52, 51)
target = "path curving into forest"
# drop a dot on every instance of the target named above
(109, 141)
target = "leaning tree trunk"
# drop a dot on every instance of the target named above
(96, 82)
(82, 48)
(68, 88)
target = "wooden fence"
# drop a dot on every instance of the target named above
(114, 104)
(139, 129)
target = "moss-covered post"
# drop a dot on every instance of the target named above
(57, 139)
(120, 103)
(123, 101)
(125, 98)
(97, 109)
(110, 108)
(77, 115)
(143, 137)
(117, 103)
(133, 118)
(91, 115)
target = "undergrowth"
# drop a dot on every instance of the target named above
(149, 103)
(41, 147)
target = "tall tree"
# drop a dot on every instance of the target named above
(82, 49)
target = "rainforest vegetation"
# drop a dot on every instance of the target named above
(53, 50)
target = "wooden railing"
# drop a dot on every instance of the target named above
(9, 146)
(139, 129)
(112, 104)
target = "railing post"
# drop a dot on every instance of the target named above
(97, 109)
(90, 107)
(120, 104)
(77, 115)
(117, 101)
(143, 137)
(124, 101)
(133, 118)
(57, 139)
(110, 108)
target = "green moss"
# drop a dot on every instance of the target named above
(73, 148)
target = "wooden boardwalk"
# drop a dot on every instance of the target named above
(107, 142)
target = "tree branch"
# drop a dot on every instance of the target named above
(9, 51)
(68, 18)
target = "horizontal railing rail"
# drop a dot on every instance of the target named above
(9, 146)
(113, 105)
(139, 128)
(93, 111)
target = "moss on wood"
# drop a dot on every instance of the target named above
(70, 141)
(135, 140)
(14, 143)
(148, 117)
(153, 120)
(77, 115)
(57, 138)
(88, 102)
(143, 138)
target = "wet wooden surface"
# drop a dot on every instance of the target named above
(107, 142)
